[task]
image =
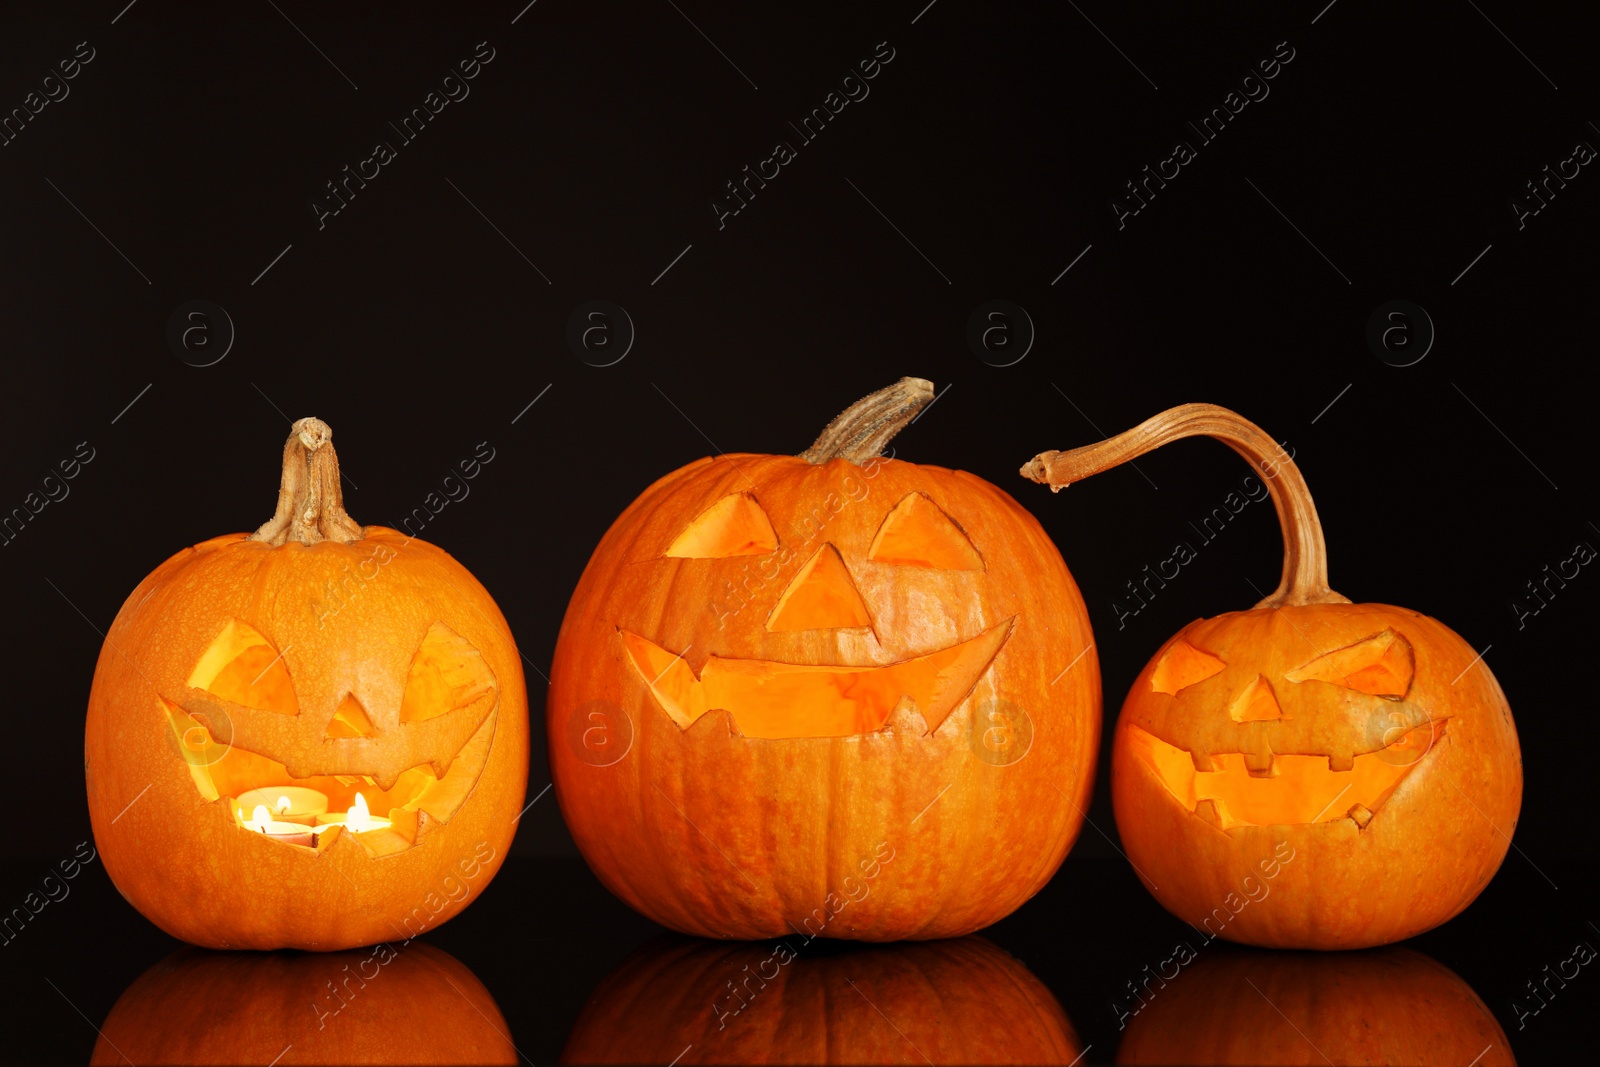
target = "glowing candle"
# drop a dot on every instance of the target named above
(287, 803)
(262, 822)
(359, 819)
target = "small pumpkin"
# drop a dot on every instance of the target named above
(834, 693)
(1370, 740)
(1235, 1006)
(413, 1004)
(313, 736)
(957, 1001)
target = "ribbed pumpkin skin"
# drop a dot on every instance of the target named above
(1429, 849)
(726, 836)
(1390, 1006)
(421, 1006)
(184, 862)
(961, 1001)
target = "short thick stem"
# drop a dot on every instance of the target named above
(310, 500)
(862, 430)
(1305, 555)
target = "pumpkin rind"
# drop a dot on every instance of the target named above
(716, 834)
(183, 860)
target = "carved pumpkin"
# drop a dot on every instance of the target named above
(834, 693)
(960, 1001)
(1233, 1006)
(1370, 739)
(256, 687)
(416, 1004)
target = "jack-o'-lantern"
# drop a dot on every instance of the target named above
(1368, 739)
(313, 736)
(1236, 1006)
(414, 1004)
(958, 1001)
(833, 692)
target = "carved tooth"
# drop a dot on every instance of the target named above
(1261, 764)
(386, 782)
(1205, 764)
(1342, 762)
(906, 719)
(712, 722)
(1361, 814)
(441, 767)
(1207, 811)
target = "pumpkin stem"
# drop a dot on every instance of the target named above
(310, 502)
(1305, 555)
(862, 430)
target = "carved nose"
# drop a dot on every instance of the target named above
(822, 596)
(1256, 703)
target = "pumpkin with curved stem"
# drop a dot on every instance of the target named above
(256, 688)
(1234, 1006)
(834, 693)
(415, 1004)
(1368, 738)
(958, 1001)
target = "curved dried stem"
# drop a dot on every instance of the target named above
(310, 501)
(862, 430)
(1305, 555)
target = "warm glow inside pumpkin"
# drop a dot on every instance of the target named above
(241, 685)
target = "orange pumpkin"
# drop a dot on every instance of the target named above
(1234, 1006)
(255, 688)
(960, 1001)
(1369, 741)
(416, 1004)
(834, 693)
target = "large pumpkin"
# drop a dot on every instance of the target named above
(831, 693)
(1235, 1006)
(960, 1001)
(416, 1004)
(255, 688)
(1310, 773)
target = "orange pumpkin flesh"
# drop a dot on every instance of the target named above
(1233, 1006)
(777, 669)
(363, 663)
(415, 1005)
(960, 1001)
(1370, 740)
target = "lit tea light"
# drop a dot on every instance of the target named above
(359, 819)
(262, 822)
(287, 803)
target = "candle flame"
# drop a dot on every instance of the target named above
(260, 818)
(283, 804)
(359, 817)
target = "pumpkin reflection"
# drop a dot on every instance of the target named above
(1237, 1006)
(416, 1004)
(961, 1001)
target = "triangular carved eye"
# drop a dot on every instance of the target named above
(1183, 666)
(242, 666)
(447, 673)
(733, 526)
(1381, 665)
(918, 533)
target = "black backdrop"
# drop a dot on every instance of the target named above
(423, 318)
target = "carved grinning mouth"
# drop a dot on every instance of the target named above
(770, 699)
(1246, 789)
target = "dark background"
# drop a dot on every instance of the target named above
(983, 163)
